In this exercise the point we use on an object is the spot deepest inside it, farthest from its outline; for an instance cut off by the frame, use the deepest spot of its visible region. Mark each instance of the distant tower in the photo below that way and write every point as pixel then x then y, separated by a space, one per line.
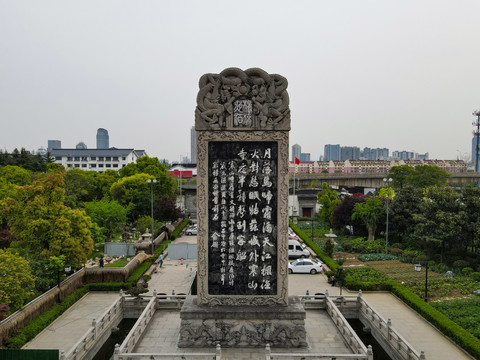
pixel 332 152
pixel 102 139
pixel 54 144
pixel 193 145
pixel 296 152
pixel 81 145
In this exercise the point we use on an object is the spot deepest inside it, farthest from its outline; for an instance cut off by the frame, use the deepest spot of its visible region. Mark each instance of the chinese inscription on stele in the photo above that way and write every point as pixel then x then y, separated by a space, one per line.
pixel 242 221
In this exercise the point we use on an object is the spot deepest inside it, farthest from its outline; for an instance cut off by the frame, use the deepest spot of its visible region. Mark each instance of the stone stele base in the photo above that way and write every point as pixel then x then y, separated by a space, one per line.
pixel 242 326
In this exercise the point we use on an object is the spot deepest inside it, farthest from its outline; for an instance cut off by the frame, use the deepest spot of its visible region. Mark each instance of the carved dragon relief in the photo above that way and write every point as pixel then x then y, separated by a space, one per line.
pixel 247 333
pixel 262 96
pixel 202 214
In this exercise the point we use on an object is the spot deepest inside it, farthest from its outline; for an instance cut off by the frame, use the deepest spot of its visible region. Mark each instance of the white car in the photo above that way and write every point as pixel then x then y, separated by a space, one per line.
pixel 305 266
pixel 192 230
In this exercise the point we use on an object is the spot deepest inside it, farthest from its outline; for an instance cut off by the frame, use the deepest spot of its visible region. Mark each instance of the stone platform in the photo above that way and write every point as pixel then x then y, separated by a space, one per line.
pixel 242 326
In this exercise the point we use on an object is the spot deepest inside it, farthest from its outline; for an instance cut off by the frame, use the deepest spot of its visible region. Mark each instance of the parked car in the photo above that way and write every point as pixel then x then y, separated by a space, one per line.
pixel 192 230
pixel 305 266
pixel 297 250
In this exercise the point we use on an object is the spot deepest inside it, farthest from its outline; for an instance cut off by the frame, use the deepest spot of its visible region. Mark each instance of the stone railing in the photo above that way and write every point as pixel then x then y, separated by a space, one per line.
pixel 138 329
pixel 100 329
pixel 383 329
pixel 351 338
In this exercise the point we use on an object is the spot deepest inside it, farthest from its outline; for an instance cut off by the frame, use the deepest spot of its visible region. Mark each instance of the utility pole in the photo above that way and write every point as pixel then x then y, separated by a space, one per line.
pixel 476 133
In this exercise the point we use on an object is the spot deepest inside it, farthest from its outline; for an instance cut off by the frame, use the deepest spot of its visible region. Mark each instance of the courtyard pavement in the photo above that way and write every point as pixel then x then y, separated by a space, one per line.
pixel 177 275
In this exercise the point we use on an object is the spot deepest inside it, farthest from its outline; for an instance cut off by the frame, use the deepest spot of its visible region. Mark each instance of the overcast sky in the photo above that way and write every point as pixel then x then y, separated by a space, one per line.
pixel 398 74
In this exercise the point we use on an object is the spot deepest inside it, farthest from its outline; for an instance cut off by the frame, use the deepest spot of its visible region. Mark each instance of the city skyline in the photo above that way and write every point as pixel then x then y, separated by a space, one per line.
pixel 397 75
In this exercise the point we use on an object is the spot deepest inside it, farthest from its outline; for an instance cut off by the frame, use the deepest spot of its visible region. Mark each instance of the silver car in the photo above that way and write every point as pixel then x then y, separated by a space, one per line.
pixel 305 266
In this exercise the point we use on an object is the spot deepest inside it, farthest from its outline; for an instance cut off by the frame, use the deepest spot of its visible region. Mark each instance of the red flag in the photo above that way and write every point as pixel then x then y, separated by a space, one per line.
pixel 297 161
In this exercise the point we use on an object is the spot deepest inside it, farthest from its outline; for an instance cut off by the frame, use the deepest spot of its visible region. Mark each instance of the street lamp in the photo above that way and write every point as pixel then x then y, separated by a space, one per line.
pixel 151 182
pixel 418 267
pixel 388 181
pixel 66 268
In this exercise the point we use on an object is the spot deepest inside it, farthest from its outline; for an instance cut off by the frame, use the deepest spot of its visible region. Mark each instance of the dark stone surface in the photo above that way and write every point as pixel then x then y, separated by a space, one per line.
pixel 242 241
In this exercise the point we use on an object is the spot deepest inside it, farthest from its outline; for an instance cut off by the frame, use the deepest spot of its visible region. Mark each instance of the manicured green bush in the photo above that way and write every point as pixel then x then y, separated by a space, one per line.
pixel 376 257
pixel 179 229
pixel 460 264
pixel 34 327
pixel 454 331
pixel 107 286
pixel 321 254
pixel 467 271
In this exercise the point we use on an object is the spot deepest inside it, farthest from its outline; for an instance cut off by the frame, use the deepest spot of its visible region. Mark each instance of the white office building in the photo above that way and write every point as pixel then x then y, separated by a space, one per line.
pixel 96 159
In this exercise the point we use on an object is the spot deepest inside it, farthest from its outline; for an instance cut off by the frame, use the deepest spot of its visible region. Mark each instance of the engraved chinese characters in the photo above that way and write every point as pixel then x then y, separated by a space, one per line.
pixel 242 113
pixel 242 220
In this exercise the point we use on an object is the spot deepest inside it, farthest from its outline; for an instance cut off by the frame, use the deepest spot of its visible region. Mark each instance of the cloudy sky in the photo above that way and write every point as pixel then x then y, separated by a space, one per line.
pixel 397 74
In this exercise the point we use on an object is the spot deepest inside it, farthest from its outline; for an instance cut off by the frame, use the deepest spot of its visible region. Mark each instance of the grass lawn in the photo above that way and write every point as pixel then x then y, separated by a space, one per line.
pixel 399 271
pixel 118 263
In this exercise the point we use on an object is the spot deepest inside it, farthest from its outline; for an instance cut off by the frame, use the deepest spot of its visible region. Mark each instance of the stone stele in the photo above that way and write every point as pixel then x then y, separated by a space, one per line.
pixel 242 121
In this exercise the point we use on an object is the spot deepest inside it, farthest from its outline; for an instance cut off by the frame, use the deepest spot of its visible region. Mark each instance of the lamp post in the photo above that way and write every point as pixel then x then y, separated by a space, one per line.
pixel 66 268
pixel 151 182
pixel 418 267
pixel 388 181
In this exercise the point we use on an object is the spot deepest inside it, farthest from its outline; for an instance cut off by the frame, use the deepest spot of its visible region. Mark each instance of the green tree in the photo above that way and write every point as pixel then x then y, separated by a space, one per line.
pixel 54 168
pixel 80 187
pixel 370 212
pixel 403 207
pixel 420 176
pixel 440 220
pixel 105 182
pixel 328 199
pixel 43 226
pixel 400 175
pixel 109 215
pixel 15 175
pixel 470 198
pixel 16 280
pixel 134 193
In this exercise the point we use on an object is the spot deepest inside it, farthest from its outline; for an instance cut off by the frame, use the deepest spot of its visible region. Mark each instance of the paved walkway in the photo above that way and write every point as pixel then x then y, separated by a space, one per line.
pixel 66 330
pixel 174 276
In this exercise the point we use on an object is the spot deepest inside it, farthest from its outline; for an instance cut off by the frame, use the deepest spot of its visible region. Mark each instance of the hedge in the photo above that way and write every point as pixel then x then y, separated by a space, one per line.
pixel 179 229
pixel 459 335
pixel 34 327
pixel 321 254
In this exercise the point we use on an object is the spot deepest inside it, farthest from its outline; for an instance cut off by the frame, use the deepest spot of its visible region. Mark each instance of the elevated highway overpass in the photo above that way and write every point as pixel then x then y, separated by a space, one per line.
pixel 313 181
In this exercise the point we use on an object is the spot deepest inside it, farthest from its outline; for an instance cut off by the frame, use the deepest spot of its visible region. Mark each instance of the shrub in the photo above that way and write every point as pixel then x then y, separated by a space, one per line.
pixel 475 276
pixel 376 257
pixel 378 248
pixel 398 246
pixel 321 254
pixel 329 247
pixel 467 271
pixel 396 251
pixel 421 258
pixel 34 327
pixel 460 264
pixel 179 229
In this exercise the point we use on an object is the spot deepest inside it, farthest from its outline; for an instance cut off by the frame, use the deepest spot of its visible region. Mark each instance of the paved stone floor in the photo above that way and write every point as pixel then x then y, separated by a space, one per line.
pixel 66 330
pixel 161 336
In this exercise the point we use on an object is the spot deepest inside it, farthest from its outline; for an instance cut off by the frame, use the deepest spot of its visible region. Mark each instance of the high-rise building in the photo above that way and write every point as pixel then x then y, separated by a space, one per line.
pixel 349 153
pixel 304 157
pixel 403 155
pixel 193 145
pixel 54 144
pixel 332 152
pixel 81 145
pixel 374 154
pixel 102 139
pixel 296 152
